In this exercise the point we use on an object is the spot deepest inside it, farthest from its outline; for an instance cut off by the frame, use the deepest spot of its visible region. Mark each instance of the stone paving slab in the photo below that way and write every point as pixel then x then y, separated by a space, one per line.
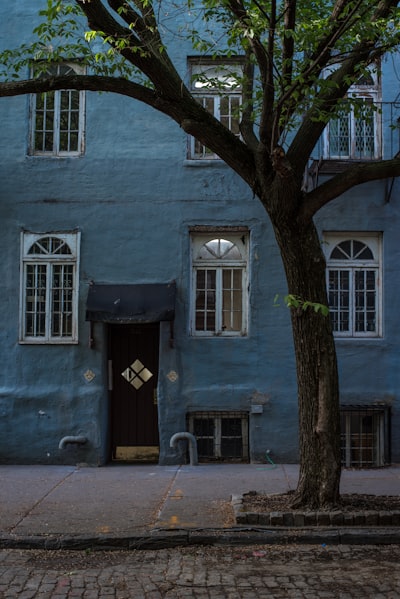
pixel 63 500
pixel 136 505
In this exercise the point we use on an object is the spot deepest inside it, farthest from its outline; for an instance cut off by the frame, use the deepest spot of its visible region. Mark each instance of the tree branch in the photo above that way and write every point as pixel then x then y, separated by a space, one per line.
pixel 238 10
pixel 145 26
pixel 342 182
pixel 318 60
pixel 187 113
pixel 247 124
pixel 288 42
pixel 325 103
pixel 95 83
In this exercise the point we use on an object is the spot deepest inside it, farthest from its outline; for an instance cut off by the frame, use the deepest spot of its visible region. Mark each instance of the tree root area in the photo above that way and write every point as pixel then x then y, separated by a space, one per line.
pixel 354 502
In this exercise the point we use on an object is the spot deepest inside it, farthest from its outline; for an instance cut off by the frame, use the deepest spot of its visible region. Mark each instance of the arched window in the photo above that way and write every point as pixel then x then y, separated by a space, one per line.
pixel 219 284
pixel 49 291
pixel 353 279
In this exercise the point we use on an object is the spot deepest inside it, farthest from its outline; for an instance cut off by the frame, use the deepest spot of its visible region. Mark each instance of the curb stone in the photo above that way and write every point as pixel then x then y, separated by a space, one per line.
pixel 164 539
pixel 299 519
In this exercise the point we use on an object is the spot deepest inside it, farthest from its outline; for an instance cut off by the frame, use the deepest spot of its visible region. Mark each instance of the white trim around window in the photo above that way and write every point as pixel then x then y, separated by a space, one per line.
pixel 354 283
pixel 49 288
pixel 218 88
pixel 356 132
pixel 57 118
pixel 219 294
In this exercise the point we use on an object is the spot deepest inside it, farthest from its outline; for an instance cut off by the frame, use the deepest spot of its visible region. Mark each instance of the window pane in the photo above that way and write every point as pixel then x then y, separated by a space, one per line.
pixel 69 122
pixel 44 122
pixel 231 300
pixel 203 430
pixel 229 113
pixel 74 99
pixel 35 300
pixel 64 145
pixel 365 147
pixel 205 300
pixel 364 128
pixel 339 138
pixel 339 298
pixel 231 437
pixel 39 121
pixel 343 251
pixel 217 249
pixel 365 300
pixel 73 141
pixel 200 151
pixel 61 300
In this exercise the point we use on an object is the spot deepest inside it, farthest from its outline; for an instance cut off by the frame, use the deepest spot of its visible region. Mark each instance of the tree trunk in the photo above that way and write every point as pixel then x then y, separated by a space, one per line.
pixel 318 389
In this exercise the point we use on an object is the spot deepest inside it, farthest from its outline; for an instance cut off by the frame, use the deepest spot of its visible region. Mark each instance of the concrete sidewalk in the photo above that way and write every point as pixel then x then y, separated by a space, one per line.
pixel 46 505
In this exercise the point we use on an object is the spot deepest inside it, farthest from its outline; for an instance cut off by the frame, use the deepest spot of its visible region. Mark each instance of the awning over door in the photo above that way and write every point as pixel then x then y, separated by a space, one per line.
pixel 131 303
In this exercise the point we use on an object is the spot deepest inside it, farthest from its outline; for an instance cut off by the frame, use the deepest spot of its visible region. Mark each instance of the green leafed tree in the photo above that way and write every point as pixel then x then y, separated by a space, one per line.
pixel 298 59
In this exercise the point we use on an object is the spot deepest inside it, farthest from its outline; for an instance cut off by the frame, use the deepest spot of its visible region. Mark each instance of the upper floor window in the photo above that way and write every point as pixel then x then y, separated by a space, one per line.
pixel 355 133
pixel 354 284
pixel 49 288
pixel 217 88
pixel 219 284
pixel 57 117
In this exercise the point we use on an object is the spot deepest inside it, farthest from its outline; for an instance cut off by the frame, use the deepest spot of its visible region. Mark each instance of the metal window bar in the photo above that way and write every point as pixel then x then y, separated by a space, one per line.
pixel 365 436
pixel 386 119
pixel 220 436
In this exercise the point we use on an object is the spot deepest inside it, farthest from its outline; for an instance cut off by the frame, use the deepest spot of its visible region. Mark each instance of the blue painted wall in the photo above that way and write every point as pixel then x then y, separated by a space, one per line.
pixel 134 197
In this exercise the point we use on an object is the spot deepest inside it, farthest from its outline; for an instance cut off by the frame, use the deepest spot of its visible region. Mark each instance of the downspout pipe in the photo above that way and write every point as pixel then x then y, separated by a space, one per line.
pixel 70 439
pixel 192 445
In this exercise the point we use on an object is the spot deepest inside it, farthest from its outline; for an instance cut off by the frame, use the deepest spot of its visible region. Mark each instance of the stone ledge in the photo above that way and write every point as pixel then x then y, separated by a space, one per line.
pixel 298 518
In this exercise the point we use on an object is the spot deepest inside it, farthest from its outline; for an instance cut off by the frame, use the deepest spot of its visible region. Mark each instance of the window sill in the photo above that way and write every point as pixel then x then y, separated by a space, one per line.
pixel 359 339
pixel 225 336
pixel 55 156
pixel 212 162
pixel 47 342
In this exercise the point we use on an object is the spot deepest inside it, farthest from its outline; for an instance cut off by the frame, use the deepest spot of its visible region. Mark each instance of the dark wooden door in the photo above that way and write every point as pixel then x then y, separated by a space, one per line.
pixel 133 355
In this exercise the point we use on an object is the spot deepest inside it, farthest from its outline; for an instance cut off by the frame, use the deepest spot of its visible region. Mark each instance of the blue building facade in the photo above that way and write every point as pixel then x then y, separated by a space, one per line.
pixel 139 284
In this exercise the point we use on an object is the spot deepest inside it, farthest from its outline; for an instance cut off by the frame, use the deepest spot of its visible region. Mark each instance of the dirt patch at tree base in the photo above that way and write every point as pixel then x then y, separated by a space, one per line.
pixel 258 502
pixel 352 510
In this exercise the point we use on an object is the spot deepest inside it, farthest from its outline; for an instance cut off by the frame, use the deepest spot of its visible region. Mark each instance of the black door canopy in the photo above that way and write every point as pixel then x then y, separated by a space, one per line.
pixel 149 302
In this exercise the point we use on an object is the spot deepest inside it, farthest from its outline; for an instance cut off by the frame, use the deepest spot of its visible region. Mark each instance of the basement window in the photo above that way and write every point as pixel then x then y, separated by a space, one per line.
pixel 365 436
pixel 221 436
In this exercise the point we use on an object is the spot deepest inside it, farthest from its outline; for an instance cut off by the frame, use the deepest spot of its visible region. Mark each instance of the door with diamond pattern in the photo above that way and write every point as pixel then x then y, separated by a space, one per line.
pixel 133 362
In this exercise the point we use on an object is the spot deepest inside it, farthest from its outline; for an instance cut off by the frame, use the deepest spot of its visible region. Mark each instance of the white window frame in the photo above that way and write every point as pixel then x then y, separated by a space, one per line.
pixel 349 268
pixel 370 94
pixel 219 266
pixel 211 84
pixel 47 263
pixel 52 128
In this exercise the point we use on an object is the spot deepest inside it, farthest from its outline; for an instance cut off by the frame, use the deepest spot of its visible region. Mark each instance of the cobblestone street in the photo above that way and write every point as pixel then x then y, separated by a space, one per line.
pixel 223 572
